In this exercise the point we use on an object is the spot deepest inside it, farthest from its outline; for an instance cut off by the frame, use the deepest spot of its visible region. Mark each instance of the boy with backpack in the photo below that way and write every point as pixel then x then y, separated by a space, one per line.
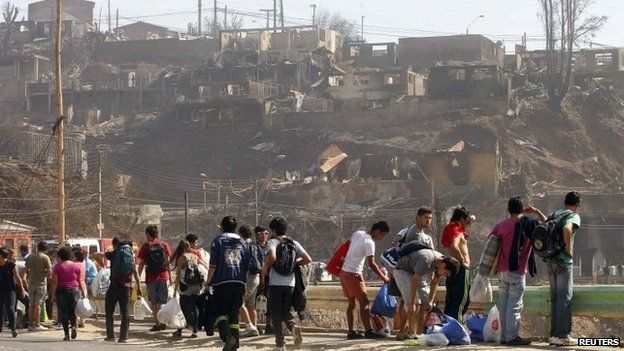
pixel 123 269
pixel 154 257
pixel 229 262
pixel 560 272
pixel 284 254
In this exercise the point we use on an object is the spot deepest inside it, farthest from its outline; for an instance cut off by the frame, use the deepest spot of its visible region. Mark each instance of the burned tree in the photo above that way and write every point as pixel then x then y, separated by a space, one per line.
pixel 9 13
pixel 566 24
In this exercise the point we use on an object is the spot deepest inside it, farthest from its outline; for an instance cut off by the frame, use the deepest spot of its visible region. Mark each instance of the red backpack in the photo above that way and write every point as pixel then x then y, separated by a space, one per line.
pixel 334 266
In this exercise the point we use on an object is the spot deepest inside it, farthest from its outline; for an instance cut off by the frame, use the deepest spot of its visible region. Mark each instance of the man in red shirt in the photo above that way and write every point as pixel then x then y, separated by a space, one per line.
pixel 154 256
pixel 454 238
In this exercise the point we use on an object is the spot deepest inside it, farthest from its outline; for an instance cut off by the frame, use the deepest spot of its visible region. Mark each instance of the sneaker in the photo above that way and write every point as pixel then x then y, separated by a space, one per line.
pixel 163 326
pixel 41 328
pixel 123 341
pixel 66 338
pixel 230 344
pixel 249 331
pixel 370 335
pixel 518 341
pixel 568 341
pixel 155 328
pixel 193 336
pixel 177 334
pixel 14 333
pixel 74 333
pixel 31 329
pixel 353 335
pixel 552 341
pixel 112 338
pixel 297 336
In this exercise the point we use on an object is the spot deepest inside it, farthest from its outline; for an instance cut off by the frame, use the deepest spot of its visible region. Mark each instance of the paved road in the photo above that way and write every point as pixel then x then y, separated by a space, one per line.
pixel 91 339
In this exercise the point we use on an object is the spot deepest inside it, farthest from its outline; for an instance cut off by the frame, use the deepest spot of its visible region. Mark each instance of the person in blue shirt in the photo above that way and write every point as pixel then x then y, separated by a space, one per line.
pixel 229 262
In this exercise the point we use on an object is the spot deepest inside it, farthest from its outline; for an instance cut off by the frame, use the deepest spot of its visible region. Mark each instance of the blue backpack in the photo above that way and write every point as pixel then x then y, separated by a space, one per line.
pixel 123 262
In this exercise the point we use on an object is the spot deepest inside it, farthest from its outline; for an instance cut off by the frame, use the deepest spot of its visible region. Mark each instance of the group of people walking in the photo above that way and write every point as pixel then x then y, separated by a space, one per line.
pixel 244 263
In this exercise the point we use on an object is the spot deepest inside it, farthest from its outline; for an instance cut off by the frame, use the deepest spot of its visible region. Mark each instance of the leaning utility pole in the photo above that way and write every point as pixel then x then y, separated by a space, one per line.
pixel 60 152
pixel 199 18
pixel 313 6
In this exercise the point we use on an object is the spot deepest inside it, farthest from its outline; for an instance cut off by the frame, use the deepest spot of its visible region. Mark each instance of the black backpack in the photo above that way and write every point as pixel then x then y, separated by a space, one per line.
pixel 548 236
pixel 286 257
pixel 257 259
pixel 156 260
pixel 192 274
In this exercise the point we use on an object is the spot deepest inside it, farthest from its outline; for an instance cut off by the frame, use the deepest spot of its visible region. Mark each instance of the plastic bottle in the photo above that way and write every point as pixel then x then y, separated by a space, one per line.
pixel 261 304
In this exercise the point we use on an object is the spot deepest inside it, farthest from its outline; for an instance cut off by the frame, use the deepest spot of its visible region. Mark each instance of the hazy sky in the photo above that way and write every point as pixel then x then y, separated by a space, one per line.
pixel 385 20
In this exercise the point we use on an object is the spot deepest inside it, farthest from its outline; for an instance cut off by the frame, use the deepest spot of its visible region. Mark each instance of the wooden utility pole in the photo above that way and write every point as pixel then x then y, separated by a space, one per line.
pixel 362 29
pixel 100 226
pixel 199 18
pixel 268 16
pixel 186 213
pixel 110 25
pixel 282 14
pixel 256 195
pixel 60 151
pixel 225 17
pixel 313 6
pixel 274 16
pixel 214 20
pixel 117 19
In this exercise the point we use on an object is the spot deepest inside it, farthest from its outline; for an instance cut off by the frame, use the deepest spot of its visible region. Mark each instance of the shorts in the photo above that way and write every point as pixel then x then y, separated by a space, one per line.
pixel 404 282
pixel 352 284
pixel 157 291
pixel 251 288
pixel 37 293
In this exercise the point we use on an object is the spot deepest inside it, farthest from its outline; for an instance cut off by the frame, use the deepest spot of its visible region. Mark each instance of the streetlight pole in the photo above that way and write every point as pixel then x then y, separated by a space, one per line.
pixel 473 21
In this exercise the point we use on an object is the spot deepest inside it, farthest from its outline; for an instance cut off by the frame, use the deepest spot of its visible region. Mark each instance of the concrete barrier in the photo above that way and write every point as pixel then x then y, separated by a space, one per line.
pixel 599 301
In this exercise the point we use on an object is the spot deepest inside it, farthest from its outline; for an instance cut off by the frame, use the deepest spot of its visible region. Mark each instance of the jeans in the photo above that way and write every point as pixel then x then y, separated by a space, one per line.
pixel 66 301
pixel 511 289
pixel 189 308
pixel 117 295
pixel 280 302
pixel 230 300
pixel 561 283
pixel 457 299
pixel 8 301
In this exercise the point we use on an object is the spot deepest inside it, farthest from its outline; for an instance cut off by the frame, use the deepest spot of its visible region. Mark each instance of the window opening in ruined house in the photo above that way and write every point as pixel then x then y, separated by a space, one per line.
pixel 360 80
pixel 336 81
pixel 457 74
pixel 392 79
pixel 380 50
pixel 354 51
pixel 604 59
pixel 482 74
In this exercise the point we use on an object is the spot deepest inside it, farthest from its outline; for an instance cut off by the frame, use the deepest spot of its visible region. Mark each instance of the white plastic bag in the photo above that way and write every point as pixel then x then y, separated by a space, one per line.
pixel 141 309
pixel 100 284
pixel 170 292
pixel 171 314
pixel 437 339
pixel 491 330
pixel 84 308
pixel 481 289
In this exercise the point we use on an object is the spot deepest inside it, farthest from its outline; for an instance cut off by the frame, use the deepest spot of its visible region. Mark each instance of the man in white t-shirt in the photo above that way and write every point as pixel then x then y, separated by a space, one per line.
pixel 362 248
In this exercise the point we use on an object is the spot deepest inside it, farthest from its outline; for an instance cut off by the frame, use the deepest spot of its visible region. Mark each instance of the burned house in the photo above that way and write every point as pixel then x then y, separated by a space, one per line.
pixel 374 86
pixel 370 54
pixel 477 81
pixel 144 31
pixel 606 65
pixel 16 73
pixel 77 17
pixel 425 52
